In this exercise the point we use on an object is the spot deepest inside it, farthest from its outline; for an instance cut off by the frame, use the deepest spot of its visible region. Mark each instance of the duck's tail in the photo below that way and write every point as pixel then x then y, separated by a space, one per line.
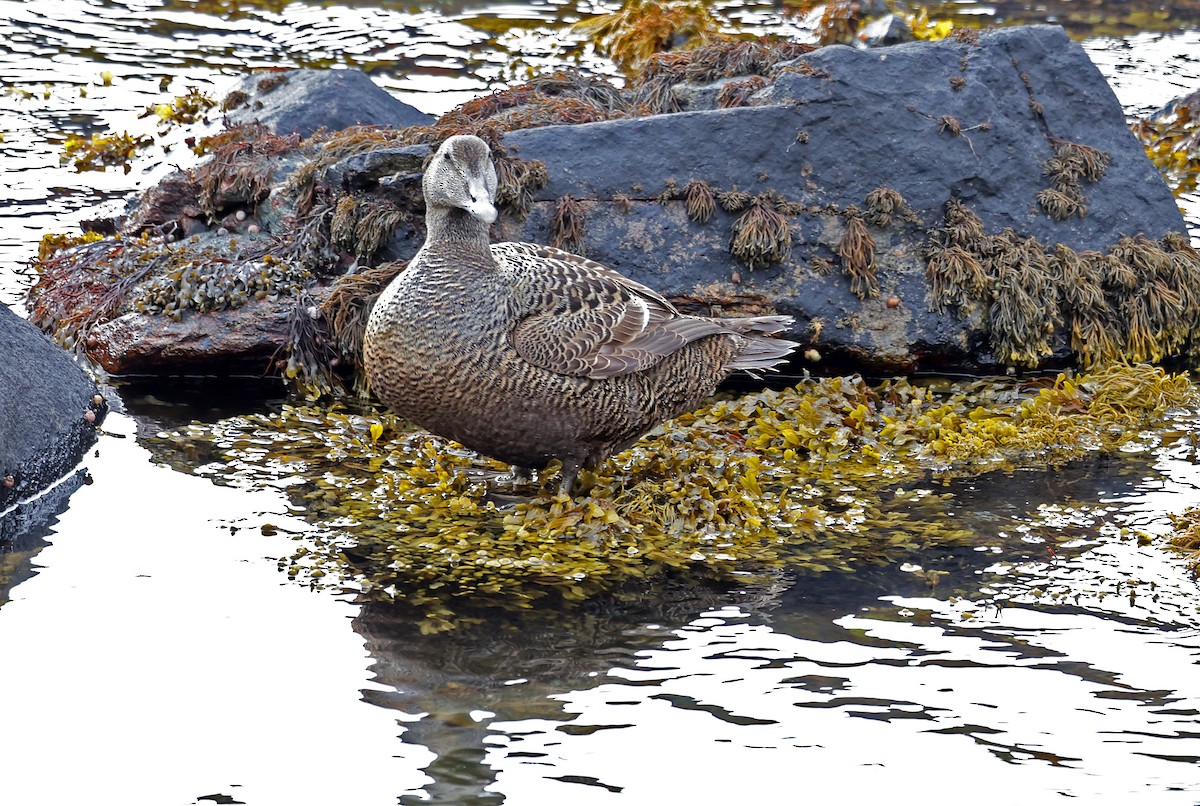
pixel 760 351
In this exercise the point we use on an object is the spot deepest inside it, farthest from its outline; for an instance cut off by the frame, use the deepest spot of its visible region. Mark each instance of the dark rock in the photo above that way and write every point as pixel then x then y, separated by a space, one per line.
pixel 847 122
pixel 244 340
pixel 45 403
pixel 366 170
pixel 305 100
pixel 972 122
pixel 887 30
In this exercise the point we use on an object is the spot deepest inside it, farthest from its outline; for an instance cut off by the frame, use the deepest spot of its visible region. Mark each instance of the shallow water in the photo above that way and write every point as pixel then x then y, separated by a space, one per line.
pixel 154 653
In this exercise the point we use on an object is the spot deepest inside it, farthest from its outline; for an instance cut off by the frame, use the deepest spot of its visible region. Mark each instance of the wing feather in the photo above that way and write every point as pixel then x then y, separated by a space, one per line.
pixel 577 317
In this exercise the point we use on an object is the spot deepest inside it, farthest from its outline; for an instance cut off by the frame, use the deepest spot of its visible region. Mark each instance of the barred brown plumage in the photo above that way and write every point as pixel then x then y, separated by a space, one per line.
pixel 528 353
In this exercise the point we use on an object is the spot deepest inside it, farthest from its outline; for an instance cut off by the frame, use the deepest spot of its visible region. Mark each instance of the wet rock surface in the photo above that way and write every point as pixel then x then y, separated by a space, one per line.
pixel 845 123
pixel 48 417
pixel 965 205
pixel 306 100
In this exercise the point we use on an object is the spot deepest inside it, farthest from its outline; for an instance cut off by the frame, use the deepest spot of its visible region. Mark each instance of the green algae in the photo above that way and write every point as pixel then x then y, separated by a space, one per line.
pixel 830 475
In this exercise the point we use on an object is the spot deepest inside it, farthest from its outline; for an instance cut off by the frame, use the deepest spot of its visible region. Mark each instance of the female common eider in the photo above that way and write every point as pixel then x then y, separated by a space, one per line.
pixel 527 353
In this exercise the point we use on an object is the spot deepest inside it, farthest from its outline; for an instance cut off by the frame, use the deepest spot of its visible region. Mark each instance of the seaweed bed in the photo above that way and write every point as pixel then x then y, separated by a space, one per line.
pixel 829 475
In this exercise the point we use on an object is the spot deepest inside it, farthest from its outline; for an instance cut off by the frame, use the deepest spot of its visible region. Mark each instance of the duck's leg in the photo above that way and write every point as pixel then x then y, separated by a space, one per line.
pixel 570 469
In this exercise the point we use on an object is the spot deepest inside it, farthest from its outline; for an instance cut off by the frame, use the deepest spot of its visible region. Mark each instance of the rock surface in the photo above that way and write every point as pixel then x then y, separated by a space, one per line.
pixel 45 400
pixel 830 185
pixel 303 101
pixel 851 121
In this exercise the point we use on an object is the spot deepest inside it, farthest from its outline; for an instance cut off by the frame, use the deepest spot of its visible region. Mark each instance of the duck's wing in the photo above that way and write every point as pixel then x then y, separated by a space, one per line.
pixel 577 317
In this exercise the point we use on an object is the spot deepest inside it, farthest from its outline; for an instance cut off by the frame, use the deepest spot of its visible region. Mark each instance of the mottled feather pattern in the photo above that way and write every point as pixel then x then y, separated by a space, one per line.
pixel 528 353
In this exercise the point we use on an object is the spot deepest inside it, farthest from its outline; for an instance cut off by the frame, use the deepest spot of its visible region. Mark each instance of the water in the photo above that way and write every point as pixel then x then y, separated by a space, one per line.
pixel 152 653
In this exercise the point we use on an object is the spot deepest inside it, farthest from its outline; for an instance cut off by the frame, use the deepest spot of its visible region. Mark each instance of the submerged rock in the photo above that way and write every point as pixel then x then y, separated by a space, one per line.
pixel 48 417
pixel 971 204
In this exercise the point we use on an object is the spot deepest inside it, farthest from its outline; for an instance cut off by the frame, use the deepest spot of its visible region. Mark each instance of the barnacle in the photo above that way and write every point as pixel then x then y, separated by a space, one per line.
pixel 760 235
pixel 857 252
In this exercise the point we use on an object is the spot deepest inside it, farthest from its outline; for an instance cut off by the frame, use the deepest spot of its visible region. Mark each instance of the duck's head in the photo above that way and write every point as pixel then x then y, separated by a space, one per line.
pixel 461 175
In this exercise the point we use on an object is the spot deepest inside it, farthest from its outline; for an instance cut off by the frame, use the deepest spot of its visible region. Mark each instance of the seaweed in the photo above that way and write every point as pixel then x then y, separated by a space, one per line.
pixel 956 278
pixel 99 152
pixel 760 235
pixel 568 225
pixel 641 28
pixel 832 474
pixel 883 203
pixel 737 93
pixel 1071 163
pixel 701 202
pixel 517 180
pixel 856 249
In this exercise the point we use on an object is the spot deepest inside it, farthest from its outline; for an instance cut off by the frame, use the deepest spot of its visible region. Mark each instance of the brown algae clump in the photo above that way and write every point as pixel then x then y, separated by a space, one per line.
pixel 99 151
pixel 1071 163
pixel 760 235
pixel 1186 536
pixel 830 474
pixel 857 252
pixel 568 225
pixel 1138 301
pixel 701 201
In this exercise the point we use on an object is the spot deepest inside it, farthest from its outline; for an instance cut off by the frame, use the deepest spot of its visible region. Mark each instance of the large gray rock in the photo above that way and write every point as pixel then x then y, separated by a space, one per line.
pixel 974 123
pixel 302 101
pixel 844 124
pixel 48 414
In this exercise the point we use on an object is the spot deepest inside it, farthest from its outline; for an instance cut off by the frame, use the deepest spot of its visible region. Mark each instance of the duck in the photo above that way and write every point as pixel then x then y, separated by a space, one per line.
pixel 527 353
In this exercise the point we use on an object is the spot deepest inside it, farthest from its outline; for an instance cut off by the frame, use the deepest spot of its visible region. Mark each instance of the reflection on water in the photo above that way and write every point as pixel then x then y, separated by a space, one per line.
pixel 153 653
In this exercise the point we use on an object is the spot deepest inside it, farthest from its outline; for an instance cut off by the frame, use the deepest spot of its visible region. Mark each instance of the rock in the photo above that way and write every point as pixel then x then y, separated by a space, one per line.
pixel 886 30
pixel 843 123
pixel 305 100
pixel 973 204
pixel 48 417
pixel 245 340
